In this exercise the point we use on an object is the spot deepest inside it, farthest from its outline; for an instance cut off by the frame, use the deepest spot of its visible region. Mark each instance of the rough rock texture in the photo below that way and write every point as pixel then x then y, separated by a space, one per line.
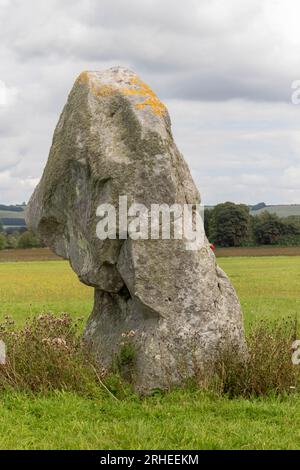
pixel 114 138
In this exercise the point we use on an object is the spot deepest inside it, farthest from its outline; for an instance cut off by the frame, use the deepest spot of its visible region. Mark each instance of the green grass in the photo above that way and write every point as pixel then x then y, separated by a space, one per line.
pixel 268 288
pixel 29 288
pixel 180 420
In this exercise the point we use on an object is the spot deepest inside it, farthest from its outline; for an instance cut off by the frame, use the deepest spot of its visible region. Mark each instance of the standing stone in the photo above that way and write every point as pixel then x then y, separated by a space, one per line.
pixel 161 312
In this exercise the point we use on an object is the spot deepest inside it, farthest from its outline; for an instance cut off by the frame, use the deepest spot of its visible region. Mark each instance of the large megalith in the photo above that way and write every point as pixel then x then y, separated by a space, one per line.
pixel 161 311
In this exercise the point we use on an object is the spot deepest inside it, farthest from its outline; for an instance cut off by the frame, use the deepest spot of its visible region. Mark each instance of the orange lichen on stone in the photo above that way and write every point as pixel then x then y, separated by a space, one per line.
pixel 83 78
pixel 103 90
pixel 137 87
pixel 146 92
pixel 86 78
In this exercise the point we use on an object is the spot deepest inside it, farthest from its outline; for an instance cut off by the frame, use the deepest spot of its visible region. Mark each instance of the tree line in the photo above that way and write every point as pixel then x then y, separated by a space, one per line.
pixel 227 224
pixel 230 224
pixel 19 239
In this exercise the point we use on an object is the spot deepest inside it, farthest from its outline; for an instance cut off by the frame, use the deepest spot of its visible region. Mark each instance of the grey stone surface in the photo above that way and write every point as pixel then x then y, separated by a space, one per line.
pixel 114 138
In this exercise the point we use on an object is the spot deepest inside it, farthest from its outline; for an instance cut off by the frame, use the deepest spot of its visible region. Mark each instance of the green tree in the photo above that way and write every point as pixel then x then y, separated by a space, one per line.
pixel 207 220
pixel 229 224
pixel 269 229
pixel 2 241
pixel 12 240
pixel 28 240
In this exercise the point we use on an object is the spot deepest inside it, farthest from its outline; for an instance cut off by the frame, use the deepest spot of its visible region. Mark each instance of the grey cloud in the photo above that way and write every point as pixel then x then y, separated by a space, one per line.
pixel 224 68
pixel 201 50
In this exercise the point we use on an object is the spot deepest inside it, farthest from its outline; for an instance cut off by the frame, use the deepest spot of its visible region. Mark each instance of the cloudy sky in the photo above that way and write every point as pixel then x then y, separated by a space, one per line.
pixel 223 68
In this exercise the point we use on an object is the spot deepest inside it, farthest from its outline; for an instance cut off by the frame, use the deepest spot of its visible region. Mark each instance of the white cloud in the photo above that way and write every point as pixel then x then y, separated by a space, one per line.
pixel 237 149
pixel 290 178
pixel 7 95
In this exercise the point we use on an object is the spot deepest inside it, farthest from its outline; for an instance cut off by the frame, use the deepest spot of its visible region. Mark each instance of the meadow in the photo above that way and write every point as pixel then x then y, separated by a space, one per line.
pixel 268 288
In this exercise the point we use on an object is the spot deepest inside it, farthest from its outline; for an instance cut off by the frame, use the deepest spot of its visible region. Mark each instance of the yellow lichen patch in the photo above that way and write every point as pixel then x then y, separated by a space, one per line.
pixel 146 92
pixel 137 87
pixel 87 78
pixel 83 78
pixel 103 90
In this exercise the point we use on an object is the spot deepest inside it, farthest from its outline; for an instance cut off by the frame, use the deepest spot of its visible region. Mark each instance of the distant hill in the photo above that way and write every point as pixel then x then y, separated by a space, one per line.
pixel 260 205
pixel 12 217
pixel 16 208
pixel 282 210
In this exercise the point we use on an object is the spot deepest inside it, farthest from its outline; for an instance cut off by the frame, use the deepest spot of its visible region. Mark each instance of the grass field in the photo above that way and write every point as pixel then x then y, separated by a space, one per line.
pixel 268 288
pixel 254 251
pixel 12 214
pixel 180 420
pixel 26 254
pixel 28 288
pixel 45 254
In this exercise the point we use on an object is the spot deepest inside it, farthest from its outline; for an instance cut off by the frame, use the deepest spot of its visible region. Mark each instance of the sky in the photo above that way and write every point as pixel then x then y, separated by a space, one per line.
pixel 224 69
